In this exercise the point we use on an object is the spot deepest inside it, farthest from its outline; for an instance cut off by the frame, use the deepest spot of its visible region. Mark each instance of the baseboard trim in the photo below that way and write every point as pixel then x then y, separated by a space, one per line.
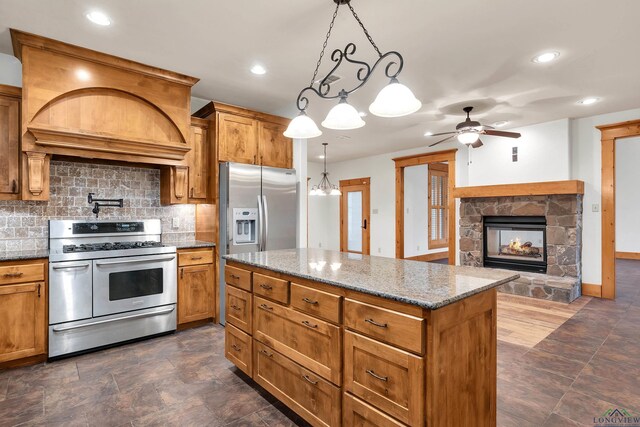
pixel 628 255
pixel 591 290
pixel 429 257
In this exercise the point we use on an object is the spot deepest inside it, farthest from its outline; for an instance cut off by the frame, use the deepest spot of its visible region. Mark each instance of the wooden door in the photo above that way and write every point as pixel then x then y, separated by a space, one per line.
pixel 195 293
pixel 198 164
pixel 237 139
pixel 9 145
pixel 22 320
pixel 275 149
pixel 354 216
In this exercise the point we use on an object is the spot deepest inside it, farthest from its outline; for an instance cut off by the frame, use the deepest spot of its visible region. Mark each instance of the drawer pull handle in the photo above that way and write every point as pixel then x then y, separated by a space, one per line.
pixel 235 307
pixel 266 307
pixel 233 276
pixel 235 347
pixel 266 287
pixel 13 274
pixel 195 258
pixel 308 301
pixel 308 324
pixel 266 353
pixel 309 380
pixel 374 323
pixel 376 376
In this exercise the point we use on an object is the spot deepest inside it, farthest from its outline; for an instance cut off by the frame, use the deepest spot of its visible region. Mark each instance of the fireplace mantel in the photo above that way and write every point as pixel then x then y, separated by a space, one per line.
pixel 526 189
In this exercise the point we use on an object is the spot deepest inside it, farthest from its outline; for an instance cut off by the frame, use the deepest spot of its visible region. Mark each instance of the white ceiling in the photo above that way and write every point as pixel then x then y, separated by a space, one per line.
pixel 457 53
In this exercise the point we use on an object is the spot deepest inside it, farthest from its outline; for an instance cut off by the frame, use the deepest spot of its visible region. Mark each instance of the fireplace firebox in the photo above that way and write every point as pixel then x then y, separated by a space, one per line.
pixel 515 243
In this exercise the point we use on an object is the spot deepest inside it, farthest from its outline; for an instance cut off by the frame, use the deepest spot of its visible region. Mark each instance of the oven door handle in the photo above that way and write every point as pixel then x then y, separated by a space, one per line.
pixel 69 267
pixel 101 322
pixel 134 261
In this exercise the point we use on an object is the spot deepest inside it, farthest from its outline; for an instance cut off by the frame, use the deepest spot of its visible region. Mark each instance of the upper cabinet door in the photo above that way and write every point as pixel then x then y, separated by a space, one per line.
pixel 275 149
pixel 198 164
pixel 237 139
pixel 9 145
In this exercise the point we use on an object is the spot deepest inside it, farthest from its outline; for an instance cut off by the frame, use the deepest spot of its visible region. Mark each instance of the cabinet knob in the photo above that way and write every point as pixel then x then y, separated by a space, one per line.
pixel 182 273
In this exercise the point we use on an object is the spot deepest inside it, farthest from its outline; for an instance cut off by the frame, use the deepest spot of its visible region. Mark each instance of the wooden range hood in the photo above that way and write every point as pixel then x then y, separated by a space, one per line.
pixel 82 103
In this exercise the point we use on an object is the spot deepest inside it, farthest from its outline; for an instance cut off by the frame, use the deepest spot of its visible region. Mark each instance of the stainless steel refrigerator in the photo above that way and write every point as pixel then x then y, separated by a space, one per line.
pixel 258 212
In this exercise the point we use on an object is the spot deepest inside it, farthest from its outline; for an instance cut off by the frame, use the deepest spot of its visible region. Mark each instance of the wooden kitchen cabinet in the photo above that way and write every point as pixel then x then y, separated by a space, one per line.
pixel 23 310
pixel 275 149
pixel 237 139
pixel 198 162
pixel 9 142
pixel 196 286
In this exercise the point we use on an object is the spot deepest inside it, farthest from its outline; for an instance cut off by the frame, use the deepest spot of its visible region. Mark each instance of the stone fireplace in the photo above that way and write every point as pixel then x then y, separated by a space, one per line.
pixel 559 215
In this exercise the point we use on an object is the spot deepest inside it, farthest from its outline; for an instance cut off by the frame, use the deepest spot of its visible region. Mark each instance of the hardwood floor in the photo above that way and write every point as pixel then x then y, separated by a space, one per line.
pixel 558 365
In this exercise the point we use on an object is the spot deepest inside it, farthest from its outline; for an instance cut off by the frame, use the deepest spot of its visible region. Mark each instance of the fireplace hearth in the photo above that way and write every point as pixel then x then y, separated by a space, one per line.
pixel 515 243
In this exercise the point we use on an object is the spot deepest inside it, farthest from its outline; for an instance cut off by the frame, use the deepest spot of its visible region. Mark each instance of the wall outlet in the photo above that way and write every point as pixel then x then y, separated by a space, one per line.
pixel 379 250
pixel 319 244
pixel 595 207
pixel 175 222
pixel 374 212
pixel 418 247
pixel 514 154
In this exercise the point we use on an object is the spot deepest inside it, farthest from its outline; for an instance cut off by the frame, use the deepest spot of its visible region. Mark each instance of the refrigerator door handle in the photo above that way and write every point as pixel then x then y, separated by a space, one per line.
pixel 265 207
pixel 260 225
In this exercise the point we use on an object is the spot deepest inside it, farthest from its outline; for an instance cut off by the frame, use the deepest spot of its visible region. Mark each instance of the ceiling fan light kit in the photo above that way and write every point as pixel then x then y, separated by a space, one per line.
pixel 394 100
pixel 325 187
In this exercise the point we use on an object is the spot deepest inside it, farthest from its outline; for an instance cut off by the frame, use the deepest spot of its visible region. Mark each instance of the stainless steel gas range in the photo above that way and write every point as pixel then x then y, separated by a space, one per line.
pixel 109 282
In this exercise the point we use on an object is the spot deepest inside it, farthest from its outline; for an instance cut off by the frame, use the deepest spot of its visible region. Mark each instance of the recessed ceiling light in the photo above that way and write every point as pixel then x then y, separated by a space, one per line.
pixel 362 114
pixel 589 101
pixel 545 57
pixel 258 69
pixel 321 156
pixel 98 18
pixel 429 133
pixel 500 123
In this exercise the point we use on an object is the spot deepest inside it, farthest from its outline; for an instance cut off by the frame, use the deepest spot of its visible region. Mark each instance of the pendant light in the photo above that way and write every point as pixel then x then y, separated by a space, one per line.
pixel 468 137
pixel 324 187
pixel 394 100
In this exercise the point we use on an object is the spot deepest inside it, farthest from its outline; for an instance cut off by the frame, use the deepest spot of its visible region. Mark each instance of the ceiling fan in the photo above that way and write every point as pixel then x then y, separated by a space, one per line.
pixel 469 131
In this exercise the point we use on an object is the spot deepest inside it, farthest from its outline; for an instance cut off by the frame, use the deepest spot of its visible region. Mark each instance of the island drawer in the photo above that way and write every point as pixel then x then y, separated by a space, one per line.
pixel 22 273
pixel 318 303
pixel 313 343
pixel 390 326
pixel 388 378
pixel 272 288
pixel 238 348
pixel 357 413
pixel 310 396
pixel 238 308
pixel 237 277
pixel 195 257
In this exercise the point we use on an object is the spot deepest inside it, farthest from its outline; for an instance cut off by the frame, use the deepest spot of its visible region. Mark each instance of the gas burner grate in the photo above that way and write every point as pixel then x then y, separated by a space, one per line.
pixel 94 247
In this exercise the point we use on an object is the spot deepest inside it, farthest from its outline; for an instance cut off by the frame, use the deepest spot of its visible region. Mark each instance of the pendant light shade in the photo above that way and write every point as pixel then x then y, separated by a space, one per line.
pixel 395 100
pixel 343 116
pixel 302 127
pixel 468 137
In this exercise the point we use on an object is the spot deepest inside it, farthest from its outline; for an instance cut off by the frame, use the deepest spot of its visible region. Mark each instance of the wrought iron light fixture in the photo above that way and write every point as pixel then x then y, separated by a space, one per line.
pixel 394 100
pixel 324 187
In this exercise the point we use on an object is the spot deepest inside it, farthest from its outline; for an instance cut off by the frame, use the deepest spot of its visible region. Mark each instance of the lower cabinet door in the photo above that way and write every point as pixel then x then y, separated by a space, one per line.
pixel 356 413
pixel 238 348
pixel 22 320
pixel 313 398
pixel 238 308
pixel 196 300
pixel 388 378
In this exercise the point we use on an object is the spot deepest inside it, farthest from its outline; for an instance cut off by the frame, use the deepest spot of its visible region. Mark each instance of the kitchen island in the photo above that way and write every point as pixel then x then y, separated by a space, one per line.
pixel 347 339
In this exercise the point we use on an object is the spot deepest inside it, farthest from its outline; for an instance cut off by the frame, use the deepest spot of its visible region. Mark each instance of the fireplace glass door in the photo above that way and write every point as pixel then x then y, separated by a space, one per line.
pixel 517 243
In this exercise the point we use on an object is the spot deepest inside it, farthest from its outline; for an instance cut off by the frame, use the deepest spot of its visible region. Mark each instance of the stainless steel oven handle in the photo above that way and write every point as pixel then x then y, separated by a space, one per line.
pixel 134 261
pixel 68 267
pixel 100 322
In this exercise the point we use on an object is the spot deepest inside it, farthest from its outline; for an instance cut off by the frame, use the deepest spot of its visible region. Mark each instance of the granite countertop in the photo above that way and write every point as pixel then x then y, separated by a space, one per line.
pixel 190 243
pixel 24 254
pixel 427 285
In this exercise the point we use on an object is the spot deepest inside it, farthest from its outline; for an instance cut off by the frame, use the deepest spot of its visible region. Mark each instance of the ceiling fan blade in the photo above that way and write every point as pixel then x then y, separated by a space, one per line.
pixel 443 133
pixel 442 140
pixel 477 144
pixel 502 133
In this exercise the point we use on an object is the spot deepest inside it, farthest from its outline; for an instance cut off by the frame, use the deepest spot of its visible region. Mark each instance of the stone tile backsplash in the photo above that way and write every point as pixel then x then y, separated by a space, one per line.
pixel 24 224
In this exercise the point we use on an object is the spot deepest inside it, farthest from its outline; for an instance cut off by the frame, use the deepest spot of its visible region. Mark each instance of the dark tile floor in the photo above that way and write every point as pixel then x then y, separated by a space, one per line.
pixel 588 365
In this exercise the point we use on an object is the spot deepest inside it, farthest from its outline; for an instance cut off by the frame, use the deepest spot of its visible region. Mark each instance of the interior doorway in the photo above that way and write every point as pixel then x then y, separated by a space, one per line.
pixel 354 216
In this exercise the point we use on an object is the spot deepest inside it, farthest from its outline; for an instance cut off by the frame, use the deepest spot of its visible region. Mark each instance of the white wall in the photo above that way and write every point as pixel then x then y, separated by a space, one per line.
pixel 324 212
pixel 10 70
pixel 586 165
pixel 543 155
pixel 627 195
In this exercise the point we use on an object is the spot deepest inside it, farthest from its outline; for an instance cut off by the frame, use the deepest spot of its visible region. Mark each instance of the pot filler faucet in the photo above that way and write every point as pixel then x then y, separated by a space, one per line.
pixel 98 203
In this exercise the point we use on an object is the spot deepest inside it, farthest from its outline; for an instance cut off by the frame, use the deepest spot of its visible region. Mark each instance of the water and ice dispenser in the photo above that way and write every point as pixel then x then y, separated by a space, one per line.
pixel 245 226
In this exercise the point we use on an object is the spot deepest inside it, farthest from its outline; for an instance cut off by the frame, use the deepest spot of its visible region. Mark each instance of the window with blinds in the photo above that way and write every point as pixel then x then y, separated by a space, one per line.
pixel 438 201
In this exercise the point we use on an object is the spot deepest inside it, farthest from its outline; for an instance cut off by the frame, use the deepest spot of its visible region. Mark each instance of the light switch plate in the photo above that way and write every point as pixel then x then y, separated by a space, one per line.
pixel 595 207
pixel 175 222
